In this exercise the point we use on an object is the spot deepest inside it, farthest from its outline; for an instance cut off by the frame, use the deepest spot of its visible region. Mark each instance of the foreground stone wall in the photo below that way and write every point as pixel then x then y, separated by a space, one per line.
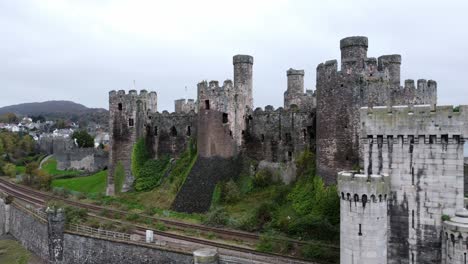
pixel 421 148
pixel 87 250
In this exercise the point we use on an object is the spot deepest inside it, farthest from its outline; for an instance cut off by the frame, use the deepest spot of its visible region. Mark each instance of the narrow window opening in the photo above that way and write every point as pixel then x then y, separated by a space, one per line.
pixel 432 139
pixel 155 130
pixel 342 195
pixel 207 104
pixel 225 118
pixel 288 137
pixel 412 218
pixel 412 257
pixel 412 175
pixel 444 139
pixel 304 133
pixel 173 131
pixel 289 155
pixel 189 131
pixel 364 200
pixel 464 258
pixel 360 230
pixel 230 133
pixel 131 122
pixel 120 106
pixel 263 138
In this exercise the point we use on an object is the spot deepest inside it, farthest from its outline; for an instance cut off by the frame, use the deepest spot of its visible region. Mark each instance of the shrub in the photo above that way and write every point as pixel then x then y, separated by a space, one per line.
pixel 217 195
pixel 217 217
pixel 262 178
pixel 132 217
pixel 445 217
pixel 320 252
pixel 9 169
pixel 75 215
pixel 268 243
pixel 231 192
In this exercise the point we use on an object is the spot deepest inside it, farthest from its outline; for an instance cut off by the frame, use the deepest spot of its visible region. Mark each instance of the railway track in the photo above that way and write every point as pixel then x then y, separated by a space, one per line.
pixel 40 199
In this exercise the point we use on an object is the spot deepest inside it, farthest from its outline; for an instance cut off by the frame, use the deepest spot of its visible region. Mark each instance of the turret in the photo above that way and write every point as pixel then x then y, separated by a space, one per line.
pixel 353 52
pixel 243 77
pixel 363 217
pixel 295 81
pixel 391 64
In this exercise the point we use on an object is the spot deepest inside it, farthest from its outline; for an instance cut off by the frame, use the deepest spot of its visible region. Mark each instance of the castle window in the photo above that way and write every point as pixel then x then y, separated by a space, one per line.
pixel 289 155
pixel 263 138
pixel 432 139
pixel 304 134
pixel 207 104
pixel 288 137
pixel 173 131
pixel 130 122
pixel 189 131
pixel 360 230
pixel 364 200
pixel 412 218
pixel 230 133
pixel 342 195
pixel 356 198
pixel 155 130
pixel 412 175
pixel 120 106
pixel 225 118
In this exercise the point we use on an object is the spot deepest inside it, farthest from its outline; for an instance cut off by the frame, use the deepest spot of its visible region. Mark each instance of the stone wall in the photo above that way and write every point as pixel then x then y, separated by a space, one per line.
pixel 28 230
pixel 84 250
pixel 87 159
pixel 50 145
pixel 362 81
pixel 170 133
pixel 421 148
pixel 279 135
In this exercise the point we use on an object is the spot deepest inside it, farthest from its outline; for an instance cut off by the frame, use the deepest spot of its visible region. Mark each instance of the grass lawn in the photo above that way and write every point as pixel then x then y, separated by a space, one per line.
pixel 50 167
pixel 20 169
pixel 12 252
pixel 95 183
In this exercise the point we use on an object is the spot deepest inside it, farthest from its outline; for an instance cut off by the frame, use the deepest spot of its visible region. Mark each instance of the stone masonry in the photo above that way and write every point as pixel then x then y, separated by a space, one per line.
pixel 421 149
pixel 361 81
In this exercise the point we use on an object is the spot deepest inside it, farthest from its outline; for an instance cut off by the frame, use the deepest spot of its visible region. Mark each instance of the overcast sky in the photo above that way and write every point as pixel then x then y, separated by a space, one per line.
pixel 79 50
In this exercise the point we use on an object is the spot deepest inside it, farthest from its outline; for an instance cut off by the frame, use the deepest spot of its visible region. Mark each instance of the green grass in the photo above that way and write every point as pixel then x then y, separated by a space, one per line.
pixel 95 183
pixel 20 169
pixel 50 167
pixel 12 252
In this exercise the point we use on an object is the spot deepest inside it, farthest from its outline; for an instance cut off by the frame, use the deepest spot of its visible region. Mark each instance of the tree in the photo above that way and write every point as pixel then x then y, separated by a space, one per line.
pixel 9 118
pixel 61 124
pixel 27 144
pixel 83 139
pixel 2 149
pixel 9 170
pixel 30 172
pixel 39 118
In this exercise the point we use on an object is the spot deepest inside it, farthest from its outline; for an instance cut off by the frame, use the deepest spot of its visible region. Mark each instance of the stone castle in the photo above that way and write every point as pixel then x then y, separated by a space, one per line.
pixel 410 151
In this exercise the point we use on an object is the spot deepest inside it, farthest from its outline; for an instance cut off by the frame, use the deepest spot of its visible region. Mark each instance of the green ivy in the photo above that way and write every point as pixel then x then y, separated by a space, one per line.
pixel 151 174
pixel 140 155
pixel 119 177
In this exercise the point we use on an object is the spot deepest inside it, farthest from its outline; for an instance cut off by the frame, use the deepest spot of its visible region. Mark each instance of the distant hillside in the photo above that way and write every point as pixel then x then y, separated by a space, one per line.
pixel 66 110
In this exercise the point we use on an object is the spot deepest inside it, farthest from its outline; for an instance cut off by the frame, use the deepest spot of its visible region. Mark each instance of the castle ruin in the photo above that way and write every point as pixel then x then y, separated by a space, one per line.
pixel 410 151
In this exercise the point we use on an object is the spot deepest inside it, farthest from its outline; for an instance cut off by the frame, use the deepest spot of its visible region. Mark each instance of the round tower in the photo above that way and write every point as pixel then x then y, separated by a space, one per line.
pixel 353 52
pixel 363 218
pixel 392 64
pixel 455 238
pixel 295 90
pixel 243 77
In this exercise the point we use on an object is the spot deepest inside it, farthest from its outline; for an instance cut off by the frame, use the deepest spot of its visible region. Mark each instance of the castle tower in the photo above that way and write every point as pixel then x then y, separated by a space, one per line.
pixel 361 81
pixel 127 121
pixel 243 98
pixel 363 218
pixel 455 239
pixel 295 90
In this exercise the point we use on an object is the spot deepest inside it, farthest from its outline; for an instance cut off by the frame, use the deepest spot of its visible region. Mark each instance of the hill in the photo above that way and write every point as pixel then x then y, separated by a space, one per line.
pixel 66 110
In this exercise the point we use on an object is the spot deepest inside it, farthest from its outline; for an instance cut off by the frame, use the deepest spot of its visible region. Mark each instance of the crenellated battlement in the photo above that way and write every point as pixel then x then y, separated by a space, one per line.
pixel 113 93
pixel 363 188
pixel 417 121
